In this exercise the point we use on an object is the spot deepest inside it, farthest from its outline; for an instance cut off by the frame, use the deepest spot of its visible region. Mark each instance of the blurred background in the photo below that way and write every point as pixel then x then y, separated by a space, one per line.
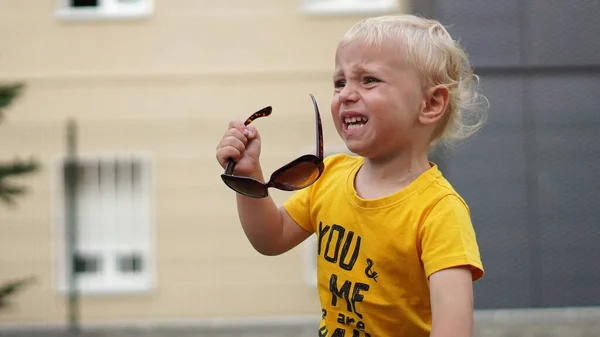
pixel 112 110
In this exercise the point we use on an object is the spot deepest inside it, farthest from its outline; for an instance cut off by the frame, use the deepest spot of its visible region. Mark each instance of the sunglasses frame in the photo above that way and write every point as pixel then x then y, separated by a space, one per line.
pixel 317 159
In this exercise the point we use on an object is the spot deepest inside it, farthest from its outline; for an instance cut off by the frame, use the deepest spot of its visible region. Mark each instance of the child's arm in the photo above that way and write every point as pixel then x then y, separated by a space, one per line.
pixel 452 302
pixel 452 263
pixel 270 230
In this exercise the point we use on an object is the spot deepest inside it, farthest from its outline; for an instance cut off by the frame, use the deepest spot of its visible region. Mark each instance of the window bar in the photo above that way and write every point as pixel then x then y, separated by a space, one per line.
pixel 71 168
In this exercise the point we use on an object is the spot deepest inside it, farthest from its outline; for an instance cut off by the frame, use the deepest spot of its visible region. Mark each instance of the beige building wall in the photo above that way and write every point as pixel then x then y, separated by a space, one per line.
pixel 166 85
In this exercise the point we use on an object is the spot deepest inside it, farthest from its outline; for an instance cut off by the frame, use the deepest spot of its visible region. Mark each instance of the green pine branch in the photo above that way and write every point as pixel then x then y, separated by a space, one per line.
pixel 8 191
pixel 18 167
pixel 10 288
pixel 8 92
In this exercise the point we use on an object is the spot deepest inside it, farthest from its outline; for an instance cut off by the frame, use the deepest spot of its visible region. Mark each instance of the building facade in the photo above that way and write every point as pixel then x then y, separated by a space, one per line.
pixel 150 87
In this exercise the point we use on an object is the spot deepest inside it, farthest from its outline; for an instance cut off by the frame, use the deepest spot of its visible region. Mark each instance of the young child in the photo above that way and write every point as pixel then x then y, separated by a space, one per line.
pixel 397 253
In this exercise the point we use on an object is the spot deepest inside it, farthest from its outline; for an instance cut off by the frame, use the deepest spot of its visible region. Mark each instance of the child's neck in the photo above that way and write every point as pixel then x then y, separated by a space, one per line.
pixel 379 177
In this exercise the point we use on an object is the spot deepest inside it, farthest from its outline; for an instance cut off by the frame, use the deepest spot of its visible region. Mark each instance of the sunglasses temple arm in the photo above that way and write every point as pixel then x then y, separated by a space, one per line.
pixel 230 166
pixel 319 128
pixel 319 139
pixel 266 111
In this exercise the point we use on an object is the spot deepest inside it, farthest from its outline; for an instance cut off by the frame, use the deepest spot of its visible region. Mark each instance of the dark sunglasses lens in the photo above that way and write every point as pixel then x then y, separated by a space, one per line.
pixel 247 187
pixel 299 175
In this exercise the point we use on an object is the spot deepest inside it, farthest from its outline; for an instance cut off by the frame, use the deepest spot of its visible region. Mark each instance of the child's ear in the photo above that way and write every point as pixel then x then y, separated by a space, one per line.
pixel 436 102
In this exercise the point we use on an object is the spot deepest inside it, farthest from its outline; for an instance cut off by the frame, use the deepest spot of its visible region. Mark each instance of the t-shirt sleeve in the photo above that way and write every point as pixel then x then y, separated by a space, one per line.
pixel 447 238
pixel 298 207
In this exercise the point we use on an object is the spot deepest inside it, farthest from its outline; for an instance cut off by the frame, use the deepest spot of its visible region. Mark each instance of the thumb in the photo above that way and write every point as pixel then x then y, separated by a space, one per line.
pixel 253 145
pixel 252 133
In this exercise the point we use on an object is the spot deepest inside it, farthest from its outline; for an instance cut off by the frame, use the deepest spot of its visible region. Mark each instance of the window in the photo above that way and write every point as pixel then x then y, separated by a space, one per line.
pixel 350 6
pixel 114 224
pixel 104 9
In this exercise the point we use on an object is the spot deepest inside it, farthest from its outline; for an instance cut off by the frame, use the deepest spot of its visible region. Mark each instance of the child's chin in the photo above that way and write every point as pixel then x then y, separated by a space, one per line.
pixel 356 147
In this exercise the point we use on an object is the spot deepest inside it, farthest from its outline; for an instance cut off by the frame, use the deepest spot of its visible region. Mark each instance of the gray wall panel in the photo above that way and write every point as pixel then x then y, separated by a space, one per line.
pixel 567 115
pixel 531 176
pixel 488 29
pixel 563 32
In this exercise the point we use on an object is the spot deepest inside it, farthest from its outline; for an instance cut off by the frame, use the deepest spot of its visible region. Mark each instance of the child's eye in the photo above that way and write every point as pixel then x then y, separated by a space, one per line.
pixel 370 80
pixel 339 83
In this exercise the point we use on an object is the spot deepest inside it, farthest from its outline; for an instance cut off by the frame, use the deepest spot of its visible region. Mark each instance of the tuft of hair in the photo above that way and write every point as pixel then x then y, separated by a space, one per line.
pixel 427 46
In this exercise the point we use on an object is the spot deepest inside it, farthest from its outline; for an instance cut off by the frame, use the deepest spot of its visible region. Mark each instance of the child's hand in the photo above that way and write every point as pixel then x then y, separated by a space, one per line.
pixel 241 144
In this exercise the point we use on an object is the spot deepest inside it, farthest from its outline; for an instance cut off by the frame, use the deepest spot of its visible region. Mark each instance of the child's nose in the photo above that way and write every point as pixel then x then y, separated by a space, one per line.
pixel 348 94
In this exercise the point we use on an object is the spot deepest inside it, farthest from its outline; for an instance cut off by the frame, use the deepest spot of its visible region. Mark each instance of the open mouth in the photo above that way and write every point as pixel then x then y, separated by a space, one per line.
pixel 354 122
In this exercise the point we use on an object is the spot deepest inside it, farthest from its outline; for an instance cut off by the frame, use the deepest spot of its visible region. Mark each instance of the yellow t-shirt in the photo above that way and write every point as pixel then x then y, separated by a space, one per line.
pixel 374 257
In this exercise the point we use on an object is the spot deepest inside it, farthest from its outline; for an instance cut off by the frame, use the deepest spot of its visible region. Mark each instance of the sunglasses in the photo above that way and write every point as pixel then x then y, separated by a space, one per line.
pixel 295 175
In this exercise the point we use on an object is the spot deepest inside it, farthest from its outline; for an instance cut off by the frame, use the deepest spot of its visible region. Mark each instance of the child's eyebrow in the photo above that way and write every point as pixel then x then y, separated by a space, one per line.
pixel 357 70
pixel 361 69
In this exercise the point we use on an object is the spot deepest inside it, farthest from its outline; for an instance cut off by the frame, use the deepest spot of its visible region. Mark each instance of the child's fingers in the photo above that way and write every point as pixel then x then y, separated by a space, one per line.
pixel 224 154
pixel 239 125
pixel 252 132
pixel 235 142
pixel 236 133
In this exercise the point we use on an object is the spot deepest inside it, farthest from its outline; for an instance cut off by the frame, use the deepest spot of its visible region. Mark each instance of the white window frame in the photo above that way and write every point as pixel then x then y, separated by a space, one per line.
pixel 108 283
pixel 349 7
pixel 106 10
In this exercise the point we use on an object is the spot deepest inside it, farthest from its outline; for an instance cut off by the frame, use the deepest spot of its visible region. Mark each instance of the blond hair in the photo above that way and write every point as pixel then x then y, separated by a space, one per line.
pixel 440 60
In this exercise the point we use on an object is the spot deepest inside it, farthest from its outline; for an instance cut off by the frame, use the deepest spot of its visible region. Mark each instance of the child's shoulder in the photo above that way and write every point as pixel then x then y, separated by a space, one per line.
pixel 339 165
pixel 340 160
pixel 443 189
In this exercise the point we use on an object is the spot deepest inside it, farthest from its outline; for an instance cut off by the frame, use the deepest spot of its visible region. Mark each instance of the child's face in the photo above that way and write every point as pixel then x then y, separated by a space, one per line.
pixel 374 84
